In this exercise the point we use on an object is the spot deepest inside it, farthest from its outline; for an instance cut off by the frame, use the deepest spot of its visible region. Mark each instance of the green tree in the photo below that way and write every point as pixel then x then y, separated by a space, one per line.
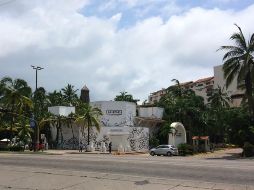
pixel 219 98
pixel 182 105
pixel 88 117
pixel 24 132
pixel 239 62
pixel 69 95
pixel 15 99
pixel 58 121
pixel 124 96
pixel 18 85
pixel 55 98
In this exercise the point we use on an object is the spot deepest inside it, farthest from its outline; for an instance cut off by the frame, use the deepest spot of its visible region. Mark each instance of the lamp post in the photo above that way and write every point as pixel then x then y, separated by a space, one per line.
pixel 37 133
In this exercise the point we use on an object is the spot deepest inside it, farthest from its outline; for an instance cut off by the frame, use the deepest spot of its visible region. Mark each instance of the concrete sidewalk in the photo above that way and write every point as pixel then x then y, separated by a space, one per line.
pixel 61 152
pixel 17 178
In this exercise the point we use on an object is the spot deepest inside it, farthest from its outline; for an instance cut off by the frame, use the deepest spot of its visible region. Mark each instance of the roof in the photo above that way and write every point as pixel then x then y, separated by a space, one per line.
pixel 153 93
pixel 150 119
pixel 85 88
pixel 186 83
pixel 207 79
pixel 200 137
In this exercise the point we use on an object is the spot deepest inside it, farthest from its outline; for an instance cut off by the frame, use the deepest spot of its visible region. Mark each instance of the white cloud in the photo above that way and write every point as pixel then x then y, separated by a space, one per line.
pixel 117 17
pixel 88 50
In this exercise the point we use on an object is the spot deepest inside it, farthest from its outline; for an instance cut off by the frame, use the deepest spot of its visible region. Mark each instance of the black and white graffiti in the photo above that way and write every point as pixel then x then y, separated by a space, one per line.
pixel 139 138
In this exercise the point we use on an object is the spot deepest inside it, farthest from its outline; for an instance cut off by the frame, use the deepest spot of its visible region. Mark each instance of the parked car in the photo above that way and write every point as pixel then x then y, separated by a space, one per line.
pixel 167 150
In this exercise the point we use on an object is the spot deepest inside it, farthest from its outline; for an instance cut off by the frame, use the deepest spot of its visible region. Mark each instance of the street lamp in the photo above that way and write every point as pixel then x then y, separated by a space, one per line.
pixel 37 134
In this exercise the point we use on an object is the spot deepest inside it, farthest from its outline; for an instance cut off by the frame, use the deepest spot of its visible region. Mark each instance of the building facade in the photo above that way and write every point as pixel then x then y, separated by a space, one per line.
pixel 119 125
pixel 204 87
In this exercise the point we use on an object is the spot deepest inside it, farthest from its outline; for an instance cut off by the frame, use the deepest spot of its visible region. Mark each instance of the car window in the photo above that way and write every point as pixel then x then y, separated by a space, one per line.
pixel 164 146
pixel 159 146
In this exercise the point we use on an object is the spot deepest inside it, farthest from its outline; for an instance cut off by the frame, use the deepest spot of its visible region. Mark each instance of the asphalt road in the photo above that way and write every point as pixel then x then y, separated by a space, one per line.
pixel 207 170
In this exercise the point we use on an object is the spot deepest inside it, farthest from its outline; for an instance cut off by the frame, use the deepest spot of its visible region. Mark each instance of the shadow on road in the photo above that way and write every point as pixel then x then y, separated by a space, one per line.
pixel 227 156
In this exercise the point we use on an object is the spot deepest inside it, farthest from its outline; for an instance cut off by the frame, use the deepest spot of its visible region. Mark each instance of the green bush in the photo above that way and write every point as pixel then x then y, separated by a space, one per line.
pixel 185 149
pixel 153 142
pixel 248 149
pixel 16 148
pixel 5 148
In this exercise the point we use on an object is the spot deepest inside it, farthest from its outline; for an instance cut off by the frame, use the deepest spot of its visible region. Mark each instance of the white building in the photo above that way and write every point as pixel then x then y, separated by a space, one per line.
pixel 203 87
pixel 119 124
pixel 234 93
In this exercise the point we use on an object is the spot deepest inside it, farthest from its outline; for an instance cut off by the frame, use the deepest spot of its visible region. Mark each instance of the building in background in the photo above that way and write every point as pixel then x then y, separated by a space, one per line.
pixel 203 87
pixel 84 95
pixel 233 91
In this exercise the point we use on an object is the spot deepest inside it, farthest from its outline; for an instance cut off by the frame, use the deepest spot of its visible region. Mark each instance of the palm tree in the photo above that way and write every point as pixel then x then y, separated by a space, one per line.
pixel 124 96
pixel 24 133
pixel 219 98
pixel 19 85
pixel 69 94
pixel 58 121
pixel 55 98
pixel 87 118
pixel 16 103
pixel 239 62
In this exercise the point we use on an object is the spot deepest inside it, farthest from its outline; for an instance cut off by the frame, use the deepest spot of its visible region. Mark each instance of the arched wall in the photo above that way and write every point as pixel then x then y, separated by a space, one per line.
pixel 179 136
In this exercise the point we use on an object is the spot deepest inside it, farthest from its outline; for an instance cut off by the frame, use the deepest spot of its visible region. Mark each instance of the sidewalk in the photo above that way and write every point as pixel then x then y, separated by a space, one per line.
pixel 61 152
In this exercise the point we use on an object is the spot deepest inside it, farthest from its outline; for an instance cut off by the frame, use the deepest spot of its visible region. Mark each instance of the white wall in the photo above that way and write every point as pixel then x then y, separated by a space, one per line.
pixel 61 110
pixel 154 112
pixel 116 113
pixel 137 138
pixel 220 81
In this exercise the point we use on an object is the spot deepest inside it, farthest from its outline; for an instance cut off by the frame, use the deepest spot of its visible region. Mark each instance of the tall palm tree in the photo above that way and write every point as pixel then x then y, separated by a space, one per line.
pixel 88 117
pixel 239 62
pixel 16 103
pixel 69 94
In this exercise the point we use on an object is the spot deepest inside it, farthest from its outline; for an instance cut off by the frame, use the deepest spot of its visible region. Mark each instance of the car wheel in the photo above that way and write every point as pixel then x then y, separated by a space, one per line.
pixel 152 153
pixel 169 154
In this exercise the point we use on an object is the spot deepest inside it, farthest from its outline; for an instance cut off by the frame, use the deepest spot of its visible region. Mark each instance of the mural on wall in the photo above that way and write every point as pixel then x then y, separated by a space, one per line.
pixel 72 143
pixel 138 138
pixel 125 121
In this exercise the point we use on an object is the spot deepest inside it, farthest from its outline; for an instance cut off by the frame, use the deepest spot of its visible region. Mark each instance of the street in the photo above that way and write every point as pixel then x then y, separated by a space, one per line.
pixel 127 171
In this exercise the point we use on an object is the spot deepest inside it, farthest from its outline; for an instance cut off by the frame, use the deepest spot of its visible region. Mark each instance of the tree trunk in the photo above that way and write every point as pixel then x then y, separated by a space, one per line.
pixel 73 137
pixel 249 88
pixel 88 135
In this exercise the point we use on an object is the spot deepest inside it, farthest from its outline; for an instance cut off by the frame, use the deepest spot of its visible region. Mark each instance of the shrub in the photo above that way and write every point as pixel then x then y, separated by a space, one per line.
pixel 248 149
pixel 16 148
pixel 185 149
pixel 154 142
pixel 4 148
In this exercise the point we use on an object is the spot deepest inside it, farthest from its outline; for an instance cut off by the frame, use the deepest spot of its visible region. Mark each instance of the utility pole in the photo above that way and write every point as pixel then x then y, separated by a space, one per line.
pixel 37 131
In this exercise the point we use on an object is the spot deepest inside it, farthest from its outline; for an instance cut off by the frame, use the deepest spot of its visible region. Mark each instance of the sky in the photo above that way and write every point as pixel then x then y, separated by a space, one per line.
pixel 137 46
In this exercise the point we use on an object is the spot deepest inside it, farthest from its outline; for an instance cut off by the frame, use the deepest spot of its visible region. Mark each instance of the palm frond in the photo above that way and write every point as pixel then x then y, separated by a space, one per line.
pixel 239 38
pixel 230 65
pixel 231 48
pixel 230 77
pixel 232 54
